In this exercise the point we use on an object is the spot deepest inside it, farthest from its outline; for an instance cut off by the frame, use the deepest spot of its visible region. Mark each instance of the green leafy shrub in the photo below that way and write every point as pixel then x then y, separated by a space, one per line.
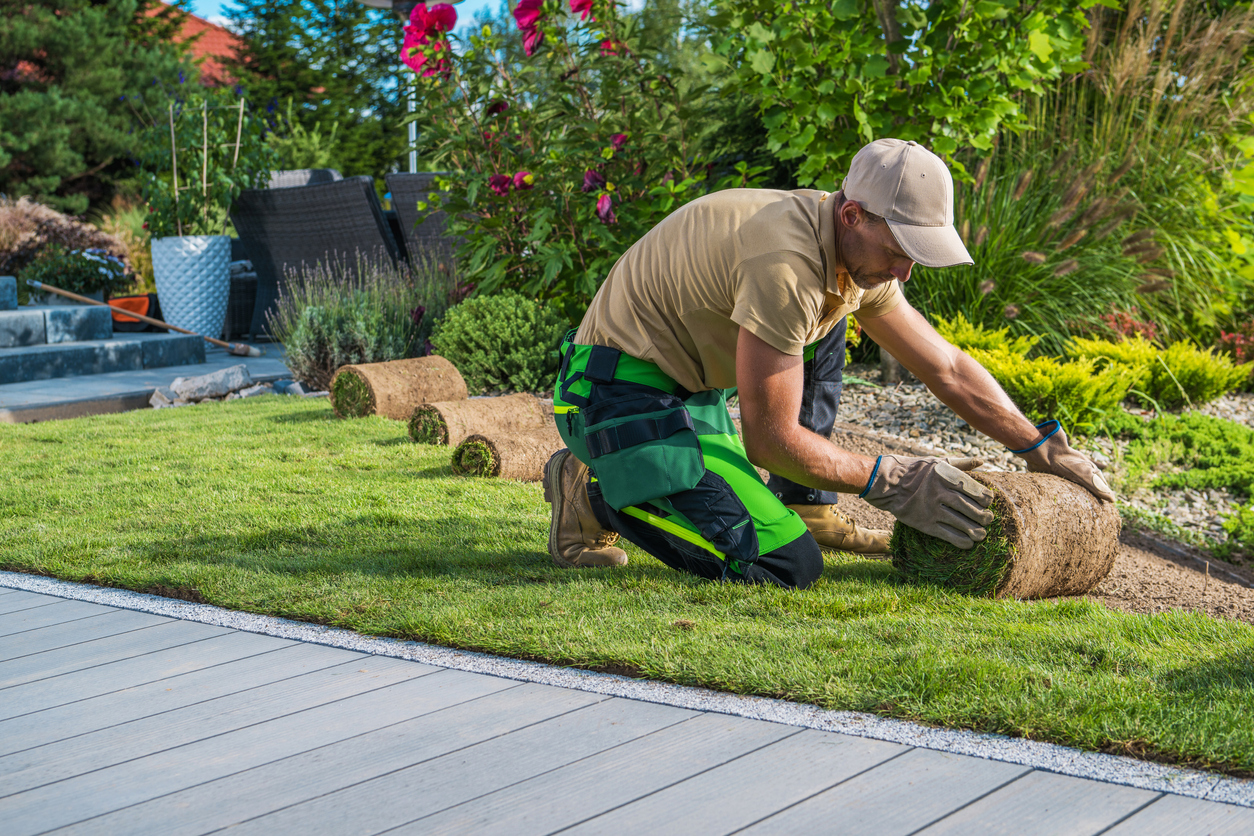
pixel 78 271
pixel 501 342
pixel 1240 528
pixel 332 314
pixel 1201 451
pixel 967 336
pixel 1076 392
pixel 1180 375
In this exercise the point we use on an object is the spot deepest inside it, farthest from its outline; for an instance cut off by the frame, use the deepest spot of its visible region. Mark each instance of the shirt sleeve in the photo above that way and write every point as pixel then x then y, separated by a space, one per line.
pixel 881 300
pixel 779 298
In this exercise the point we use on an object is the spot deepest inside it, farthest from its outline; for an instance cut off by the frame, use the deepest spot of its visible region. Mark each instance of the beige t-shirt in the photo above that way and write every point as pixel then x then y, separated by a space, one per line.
pixel 759 258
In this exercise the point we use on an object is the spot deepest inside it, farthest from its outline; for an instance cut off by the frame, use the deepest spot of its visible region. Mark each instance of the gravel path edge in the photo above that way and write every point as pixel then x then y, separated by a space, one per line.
pixel 1048 757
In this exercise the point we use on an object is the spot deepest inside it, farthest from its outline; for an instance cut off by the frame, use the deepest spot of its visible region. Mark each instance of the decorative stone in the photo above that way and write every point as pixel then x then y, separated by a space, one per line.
pixel 77 323
pixel 213 385
pixel 8 293
pixel 21 327
pixel 174 350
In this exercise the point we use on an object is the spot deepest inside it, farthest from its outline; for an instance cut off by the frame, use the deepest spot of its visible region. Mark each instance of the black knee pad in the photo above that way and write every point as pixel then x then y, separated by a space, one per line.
pixel 797 564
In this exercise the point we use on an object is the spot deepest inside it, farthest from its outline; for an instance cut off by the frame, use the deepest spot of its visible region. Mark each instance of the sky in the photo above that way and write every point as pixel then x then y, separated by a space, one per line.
pixel 216 11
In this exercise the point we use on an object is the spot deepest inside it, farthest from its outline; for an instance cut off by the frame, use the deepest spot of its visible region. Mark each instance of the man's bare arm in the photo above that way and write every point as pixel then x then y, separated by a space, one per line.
pixel 770 385
pixel 961 383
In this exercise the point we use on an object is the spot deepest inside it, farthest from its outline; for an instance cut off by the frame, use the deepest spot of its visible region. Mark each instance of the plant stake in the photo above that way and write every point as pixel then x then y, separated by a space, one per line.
pixel 174 160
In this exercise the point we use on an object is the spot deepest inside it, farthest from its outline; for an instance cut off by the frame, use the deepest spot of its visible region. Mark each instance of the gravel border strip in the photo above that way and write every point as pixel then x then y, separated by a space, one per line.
pixel 1048 757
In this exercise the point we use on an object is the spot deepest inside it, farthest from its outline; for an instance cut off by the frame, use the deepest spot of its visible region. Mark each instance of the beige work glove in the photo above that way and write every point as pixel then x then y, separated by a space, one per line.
pixel 1054 455
pixel 932 495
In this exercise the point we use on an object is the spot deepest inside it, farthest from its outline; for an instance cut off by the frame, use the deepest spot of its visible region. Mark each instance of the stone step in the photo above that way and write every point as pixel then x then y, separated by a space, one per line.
pixel 129 352
pixel 48 324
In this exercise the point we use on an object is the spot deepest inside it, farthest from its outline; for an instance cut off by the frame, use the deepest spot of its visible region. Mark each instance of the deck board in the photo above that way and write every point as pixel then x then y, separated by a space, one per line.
pixel 26 601
pixel 66 611
pixel 40 638
pixel 1174 815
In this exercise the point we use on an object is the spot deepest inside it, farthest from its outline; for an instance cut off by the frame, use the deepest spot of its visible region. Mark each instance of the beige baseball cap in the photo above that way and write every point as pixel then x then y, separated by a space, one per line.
pixel 912 189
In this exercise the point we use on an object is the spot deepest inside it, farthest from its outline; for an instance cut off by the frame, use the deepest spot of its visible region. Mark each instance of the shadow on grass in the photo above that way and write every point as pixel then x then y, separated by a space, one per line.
pixel 313 413
pixel 1230 673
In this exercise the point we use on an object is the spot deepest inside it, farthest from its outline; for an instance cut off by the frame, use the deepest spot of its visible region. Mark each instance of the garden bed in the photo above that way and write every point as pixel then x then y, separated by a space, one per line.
pixel 292 513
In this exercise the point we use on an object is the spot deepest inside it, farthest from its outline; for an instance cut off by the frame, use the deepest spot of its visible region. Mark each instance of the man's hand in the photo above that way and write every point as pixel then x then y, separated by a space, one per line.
pixel 934 496
pixel 1055 455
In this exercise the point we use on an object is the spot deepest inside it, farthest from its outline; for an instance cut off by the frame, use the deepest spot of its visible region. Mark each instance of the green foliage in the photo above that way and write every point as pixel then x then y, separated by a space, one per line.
pixel 336 63
pixel 219 149
pixel 79 271
pixel 67 70
pixel 1180 375
pixel 560 160
pixel 1240 528
pixel 501 342
pixel 978 571
pixel 831 77
pixel 1196 451
pixel 967 336
pixel 334 314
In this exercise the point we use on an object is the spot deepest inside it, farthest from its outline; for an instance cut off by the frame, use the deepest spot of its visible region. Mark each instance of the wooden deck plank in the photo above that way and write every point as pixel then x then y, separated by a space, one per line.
pixel 41 639
pixel 104 651
pixel 408 794
pixel 1044 803
pixel 279 784
pixel 897 797
pixel 147 736
pixel 1175 815
pixel 26 600
pixel 613 778
pixel 242 671
pixel 65 611
pixel 132 671
pixel 105 790
pixel 748 789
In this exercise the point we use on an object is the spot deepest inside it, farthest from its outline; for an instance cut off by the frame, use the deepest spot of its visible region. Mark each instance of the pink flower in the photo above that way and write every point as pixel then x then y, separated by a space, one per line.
pixel 583 8
pixel 605 209
pixel 610 47
pixel 524 180
pixel 498 107
pixel 500 183
pixel 527 13
pixel 424 36
pixel 617 141
pixel 439 18
pixel 592 181
pixel 532 38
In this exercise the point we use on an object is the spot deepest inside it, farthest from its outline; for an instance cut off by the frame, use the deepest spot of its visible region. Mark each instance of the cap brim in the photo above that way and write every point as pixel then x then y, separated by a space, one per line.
pixel 931 246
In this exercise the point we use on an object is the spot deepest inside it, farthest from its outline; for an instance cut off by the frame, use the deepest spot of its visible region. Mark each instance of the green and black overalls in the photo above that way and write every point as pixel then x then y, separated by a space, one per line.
pixel 670 474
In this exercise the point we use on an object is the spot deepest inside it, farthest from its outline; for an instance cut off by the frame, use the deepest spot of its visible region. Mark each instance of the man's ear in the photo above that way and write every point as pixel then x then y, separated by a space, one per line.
pixel 850 213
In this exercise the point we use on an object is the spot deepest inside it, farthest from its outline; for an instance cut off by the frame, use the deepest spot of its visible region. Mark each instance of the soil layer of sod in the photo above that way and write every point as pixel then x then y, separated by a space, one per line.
pixel 290 512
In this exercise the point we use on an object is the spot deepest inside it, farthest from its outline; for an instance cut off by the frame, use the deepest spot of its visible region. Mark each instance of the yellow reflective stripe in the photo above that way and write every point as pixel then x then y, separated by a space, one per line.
pixel 678 530
pixel 562 409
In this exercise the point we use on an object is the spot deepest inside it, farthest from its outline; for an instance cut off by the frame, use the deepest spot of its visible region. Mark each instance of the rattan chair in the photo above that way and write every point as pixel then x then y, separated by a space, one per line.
pixel 284 228
pixel 302 177
pixel 429 237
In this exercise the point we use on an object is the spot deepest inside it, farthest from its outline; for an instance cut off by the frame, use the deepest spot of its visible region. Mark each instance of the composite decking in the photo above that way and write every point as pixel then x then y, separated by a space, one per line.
pixel 120 722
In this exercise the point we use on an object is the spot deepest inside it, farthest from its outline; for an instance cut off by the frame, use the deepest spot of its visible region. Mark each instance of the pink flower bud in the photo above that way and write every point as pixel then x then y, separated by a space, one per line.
pixel 498 107
pixel 524 180
pixel 605 209
pixel 592 181
pixel 500 183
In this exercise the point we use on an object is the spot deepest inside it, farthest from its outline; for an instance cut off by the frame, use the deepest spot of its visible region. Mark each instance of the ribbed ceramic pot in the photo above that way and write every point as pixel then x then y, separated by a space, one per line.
pixel 193 280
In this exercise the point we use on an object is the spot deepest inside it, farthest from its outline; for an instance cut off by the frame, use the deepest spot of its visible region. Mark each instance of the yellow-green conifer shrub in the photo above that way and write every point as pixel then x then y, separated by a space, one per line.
pixel 1076 392
pixel 1180 375
pixel 967 336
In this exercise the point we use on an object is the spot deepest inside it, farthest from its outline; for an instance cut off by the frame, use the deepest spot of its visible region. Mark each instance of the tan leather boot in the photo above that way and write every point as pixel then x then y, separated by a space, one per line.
pixel 576 538
pixel 834 530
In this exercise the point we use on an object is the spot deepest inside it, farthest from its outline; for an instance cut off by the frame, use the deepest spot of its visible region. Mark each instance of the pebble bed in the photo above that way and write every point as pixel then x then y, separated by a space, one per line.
pixel 909 411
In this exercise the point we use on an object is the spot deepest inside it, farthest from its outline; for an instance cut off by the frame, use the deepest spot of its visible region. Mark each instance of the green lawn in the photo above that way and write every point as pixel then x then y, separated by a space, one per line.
pixel 271 505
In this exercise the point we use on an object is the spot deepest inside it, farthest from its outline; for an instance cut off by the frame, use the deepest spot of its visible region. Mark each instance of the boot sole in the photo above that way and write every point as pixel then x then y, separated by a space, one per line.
pixel 553 495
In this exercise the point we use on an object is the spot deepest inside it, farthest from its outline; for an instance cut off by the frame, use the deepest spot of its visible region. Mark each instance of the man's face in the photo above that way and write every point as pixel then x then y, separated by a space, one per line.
pixel 870 252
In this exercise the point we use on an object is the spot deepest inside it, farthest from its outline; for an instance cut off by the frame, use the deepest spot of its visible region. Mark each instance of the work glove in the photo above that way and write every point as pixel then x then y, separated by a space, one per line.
pixel 1053 454
pixel 932 495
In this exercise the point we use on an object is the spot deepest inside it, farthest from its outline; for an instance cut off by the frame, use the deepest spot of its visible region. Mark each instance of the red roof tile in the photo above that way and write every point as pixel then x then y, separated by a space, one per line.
pixel 211 50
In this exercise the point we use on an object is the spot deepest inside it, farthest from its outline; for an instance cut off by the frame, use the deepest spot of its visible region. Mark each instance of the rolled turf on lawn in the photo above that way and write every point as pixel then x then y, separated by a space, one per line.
pixel 292 513
pixel 452 421
pixel 516 455
pixel 393 389
pixel 1049 537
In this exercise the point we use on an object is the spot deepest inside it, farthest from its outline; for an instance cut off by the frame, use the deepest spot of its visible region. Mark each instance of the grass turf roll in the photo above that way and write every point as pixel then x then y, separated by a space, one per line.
pixel 1049 537
pixel 451 422
pixel 393 389
pixel 508 455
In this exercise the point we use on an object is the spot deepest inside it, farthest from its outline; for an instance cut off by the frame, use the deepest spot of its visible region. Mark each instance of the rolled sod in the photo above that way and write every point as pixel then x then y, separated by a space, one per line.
pixel 451 422
pixel 1049 537
pixel 508 455
pixel 393 389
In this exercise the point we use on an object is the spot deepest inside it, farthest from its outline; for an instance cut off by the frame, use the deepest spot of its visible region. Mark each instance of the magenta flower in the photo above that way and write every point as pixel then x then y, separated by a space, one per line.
pixel 592 181
pixel 424 35
pixel 527 13
pixel 439 18
pixel 610 47
pixel 500 183
pixel 617 141
pixel 524 180
pixel 583 8
pixel 498 107
pixel 532 38
pixel 605 209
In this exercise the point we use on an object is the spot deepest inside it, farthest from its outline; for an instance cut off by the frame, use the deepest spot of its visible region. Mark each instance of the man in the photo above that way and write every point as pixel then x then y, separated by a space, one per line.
pixel 749 288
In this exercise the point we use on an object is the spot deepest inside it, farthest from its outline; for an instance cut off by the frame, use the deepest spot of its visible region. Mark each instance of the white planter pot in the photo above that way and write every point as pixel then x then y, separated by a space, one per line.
pixel 193 280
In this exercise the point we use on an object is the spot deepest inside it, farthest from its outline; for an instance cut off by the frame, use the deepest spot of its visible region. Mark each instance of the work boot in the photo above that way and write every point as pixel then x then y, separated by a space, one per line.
pixel 834 530
pixel 576 538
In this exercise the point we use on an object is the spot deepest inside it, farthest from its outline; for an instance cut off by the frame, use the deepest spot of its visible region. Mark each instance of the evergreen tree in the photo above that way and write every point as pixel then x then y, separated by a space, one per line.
pixel 337 63
pixel 67 70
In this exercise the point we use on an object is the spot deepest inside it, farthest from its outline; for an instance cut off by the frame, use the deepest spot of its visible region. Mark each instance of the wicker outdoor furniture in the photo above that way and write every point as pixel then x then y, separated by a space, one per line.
pixel 302 177
pixel 430 236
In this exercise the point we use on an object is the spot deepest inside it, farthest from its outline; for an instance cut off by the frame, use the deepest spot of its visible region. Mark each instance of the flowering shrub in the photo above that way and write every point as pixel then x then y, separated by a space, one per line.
pixel 561 161
pixel 1239 343
pixel 1125 324
pixel 78 271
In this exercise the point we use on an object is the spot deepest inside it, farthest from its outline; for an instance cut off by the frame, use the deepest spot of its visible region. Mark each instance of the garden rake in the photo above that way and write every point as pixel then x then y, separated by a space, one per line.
pixel 238 349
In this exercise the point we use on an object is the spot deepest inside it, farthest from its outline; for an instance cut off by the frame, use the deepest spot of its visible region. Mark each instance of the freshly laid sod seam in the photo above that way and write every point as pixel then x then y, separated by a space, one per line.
pixel 271 505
